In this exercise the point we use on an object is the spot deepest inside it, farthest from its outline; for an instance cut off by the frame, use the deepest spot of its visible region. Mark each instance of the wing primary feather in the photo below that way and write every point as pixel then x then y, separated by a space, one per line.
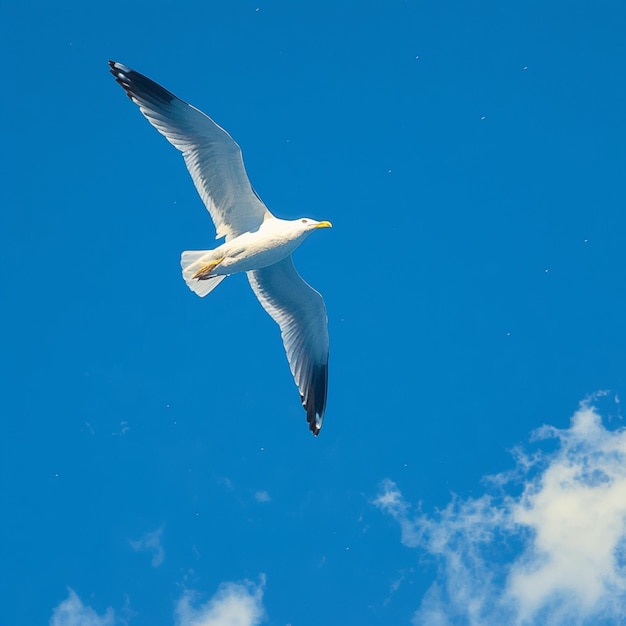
pixel 315 402
pixel 136 84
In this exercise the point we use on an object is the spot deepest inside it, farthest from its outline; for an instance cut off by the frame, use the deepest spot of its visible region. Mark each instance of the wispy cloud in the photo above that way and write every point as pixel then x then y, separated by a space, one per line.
pixel 72 612
pixel 234 604
pixel 555 554
pixel 262 496
pixel 150 542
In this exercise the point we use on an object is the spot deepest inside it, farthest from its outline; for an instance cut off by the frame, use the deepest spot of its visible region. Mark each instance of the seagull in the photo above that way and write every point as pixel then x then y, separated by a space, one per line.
pixel 255 241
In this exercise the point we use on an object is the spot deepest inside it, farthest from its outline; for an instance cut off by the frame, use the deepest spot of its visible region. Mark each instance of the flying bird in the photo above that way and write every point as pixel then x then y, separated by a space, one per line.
pixel 256 242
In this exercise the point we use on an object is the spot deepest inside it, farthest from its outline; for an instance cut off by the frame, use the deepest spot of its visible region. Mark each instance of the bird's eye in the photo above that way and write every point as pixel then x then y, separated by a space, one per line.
pixel 304 221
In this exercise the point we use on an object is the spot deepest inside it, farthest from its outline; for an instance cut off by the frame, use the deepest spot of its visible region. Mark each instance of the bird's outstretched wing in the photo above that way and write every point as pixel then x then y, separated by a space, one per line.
pixel 213 158
pixel 300 312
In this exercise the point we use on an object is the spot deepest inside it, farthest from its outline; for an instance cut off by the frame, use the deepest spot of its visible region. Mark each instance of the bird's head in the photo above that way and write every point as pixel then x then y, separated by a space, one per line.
pixel 308 224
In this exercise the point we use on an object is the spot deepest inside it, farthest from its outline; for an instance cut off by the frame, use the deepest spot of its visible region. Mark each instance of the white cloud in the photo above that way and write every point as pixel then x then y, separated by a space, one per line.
pixel 262 496
pixel 554 555
pixel 72 612
pixel 152 543
pixel 234 604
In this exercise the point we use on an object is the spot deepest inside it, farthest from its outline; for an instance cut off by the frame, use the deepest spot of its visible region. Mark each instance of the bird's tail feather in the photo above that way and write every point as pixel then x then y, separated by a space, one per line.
pixel 189 263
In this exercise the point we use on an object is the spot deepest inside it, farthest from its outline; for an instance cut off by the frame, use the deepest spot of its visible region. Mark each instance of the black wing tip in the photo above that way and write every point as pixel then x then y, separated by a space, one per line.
pixel 315 423
pixel 137 85
pixel 315 402
pixel 119 71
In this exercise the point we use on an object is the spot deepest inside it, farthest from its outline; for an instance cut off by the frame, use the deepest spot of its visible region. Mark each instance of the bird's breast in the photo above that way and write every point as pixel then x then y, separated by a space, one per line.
pixel 252 251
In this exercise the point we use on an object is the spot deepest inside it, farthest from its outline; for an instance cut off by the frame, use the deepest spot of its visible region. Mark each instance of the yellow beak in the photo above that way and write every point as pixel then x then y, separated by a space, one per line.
pixel 324 225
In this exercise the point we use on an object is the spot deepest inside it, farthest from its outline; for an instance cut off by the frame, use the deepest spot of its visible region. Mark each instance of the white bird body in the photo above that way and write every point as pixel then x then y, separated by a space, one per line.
pixel 272 242
pixel 256 242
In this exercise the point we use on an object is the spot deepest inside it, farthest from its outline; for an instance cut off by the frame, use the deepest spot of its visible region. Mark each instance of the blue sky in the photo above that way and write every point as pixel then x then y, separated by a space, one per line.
pixel 156 467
